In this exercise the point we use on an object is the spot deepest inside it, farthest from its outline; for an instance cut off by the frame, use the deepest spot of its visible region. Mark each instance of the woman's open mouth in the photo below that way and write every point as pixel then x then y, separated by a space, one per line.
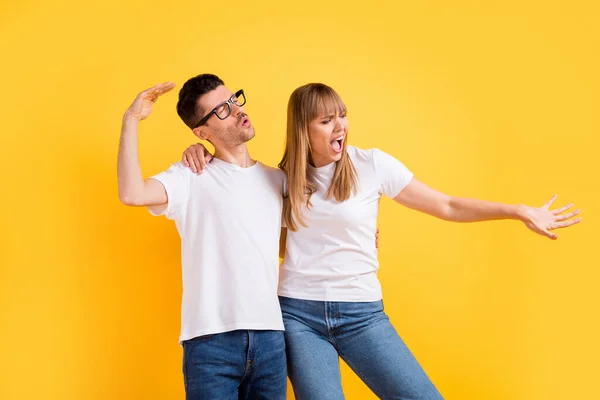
pixel 337 144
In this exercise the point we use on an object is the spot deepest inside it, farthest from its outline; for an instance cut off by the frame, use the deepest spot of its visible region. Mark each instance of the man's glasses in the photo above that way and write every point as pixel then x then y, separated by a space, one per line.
pixel 223 110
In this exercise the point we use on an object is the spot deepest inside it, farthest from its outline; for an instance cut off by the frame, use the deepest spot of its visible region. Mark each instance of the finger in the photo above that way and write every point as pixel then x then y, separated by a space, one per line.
pixel 165 87
pixel 549 235
pixel 564 224
pixel 148 90
pixel 200 156
pixel 547 205
pixel 562 209
pixel 185 161
pixel 152 89
pixel 567 216
pixel 158 90
pixel 192 163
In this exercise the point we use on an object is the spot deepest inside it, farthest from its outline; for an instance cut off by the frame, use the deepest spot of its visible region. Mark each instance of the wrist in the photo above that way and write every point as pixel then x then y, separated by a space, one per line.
pixel 522 213
pixel 131 118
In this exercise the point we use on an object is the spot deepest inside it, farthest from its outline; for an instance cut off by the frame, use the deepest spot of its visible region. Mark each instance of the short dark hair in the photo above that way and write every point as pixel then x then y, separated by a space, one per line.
pixel 189 94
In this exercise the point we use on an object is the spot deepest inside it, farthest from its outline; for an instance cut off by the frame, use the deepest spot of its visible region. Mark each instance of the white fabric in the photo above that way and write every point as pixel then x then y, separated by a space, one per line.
pixel 229 221
pixel 335 257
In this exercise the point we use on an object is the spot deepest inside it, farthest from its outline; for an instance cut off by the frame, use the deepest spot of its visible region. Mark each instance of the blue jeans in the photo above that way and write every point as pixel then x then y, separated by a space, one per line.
pixel 235 365
pixel 318 332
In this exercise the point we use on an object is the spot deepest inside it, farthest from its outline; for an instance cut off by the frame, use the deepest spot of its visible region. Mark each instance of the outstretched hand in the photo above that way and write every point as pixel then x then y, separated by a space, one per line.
pixel 543 221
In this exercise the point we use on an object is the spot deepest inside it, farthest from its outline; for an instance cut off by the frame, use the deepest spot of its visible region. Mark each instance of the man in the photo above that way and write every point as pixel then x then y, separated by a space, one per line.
pixel 229 221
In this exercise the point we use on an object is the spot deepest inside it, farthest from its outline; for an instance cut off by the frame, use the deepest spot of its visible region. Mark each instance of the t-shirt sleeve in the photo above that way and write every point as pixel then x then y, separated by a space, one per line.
pixel 392 174
pixel 176 183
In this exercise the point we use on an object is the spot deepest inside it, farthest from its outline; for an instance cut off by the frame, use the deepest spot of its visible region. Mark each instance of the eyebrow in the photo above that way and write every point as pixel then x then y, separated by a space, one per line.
pixel 225 101
pixel 332 114
pixel 218 104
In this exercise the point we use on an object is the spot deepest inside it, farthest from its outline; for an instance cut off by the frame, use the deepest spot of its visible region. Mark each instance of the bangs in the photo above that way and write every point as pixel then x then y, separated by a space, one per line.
pixel 325 101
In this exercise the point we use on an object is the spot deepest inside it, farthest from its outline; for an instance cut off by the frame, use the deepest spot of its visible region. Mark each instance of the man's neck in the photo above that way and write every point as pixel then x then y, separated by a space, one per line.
pixel 237 155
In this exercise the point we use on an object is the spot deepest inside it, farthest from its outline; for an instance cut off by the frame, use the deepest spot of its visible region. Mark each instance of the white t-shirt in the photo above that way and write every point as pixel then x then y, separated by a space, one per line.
pixel 335 257
pixel 229 221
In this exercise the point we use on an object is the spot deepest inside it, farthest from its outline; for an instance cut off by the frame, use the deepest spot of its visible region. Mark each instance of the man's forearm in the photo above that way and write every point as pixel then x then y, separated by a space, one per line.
pixel 131 182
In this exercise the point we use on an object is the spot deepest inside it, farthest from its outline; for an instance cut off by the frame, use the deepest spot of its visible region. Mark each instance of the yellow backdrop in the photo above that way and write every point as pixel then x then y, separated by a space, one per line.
pixel 495 100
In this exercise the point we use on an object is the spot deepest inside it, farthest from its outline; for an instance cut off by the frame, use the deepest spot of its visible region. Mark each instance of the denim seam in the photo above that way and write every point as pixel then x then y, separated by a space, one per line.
pixel 326 304
pixel 331 331
pixel 246 366
pixel 185 375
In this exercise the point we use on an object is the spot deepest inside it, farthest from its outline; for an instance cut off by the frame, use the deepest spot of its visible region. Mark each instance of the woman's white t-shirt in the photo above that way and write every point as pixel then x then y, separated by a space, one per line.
pixel 334 258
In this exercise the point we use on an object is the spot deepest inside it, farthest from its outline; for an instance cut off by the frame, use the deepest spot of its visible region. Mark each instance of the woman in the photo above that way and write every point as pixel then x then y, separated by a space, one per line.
pixel 330 296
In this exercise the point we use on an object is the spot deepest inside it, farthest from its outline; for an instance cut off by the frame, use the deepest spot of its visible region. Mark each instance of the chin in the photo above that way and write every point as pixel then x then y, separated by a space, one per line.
pixel 246 136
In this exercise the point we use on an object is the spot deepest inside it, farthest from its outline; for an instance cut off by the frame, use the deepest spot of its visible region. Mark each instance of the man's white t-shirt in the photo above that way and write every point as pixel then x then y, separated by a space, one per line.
pixel 229 221
pixel 335 257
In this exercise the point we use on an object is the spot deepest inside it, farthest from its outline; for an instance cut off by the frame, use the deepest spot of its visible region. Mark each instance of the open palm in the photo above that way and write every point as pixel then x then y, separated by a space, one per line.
pixel 542 220
pixel 142 105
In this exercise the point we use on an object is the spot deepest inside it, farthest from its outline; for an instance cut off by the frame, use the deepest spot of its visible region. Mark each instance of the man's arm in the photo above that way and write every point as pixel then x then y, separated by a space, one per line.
pixel 133 189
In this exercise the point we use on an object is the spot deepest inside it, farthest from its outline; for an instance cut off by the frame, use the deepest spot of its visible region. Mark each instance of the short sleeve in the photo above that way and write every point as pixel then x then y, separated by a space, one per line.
pixel 176 183
pixel 392 174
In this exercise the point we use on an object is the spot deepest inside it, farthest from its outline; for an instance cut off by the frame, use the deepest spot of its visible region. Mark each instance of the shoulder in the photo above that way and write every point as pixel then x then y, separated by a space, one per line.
pixel 374 156
pixel 277 178
pixel 376 160
pixel 175 171
pixel 179 168
pixel 272 172
pixel 362 159
pixel 358 154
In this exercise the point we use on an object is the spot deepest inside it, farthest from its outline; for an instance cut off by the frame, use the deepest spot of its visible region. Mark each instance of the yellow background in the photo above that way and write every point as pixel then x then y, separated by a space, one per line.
pixel 494 100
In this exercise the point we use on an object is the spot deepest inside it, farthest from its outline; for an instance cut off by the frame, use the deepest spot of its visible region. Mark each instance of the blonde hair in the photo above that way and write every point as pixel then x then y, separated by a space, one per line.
pixel 307 103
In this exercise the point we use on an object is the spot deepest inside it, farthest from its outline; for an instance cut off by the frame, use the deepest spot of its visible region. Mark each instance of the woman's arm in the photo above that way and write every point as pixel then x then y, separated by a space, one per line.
pixel 418 196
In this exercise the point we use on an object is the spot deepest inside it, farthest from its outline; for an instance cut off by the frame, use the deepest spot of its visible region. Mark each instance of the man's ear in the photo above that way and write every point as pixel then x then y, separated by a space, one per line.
pixel 200 132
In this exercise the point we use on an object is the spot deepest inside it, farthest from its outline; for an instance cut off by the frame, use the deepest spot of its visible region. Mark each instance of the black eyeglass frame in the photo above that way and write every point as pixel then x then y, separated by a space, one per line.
pixel 228 103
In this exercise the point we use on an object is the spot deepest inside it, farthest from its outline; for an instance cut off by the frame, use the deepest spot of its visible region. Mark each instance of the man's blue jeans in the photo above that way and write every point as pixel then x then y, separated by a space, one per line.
pixel 235 365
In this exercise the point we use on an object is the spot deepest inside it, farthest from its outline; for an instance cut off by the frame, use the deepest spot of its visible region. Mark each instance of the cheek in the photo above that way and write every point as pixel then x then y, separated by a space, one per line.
pixel 319 139
pixel 217 125
pixel 228 126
